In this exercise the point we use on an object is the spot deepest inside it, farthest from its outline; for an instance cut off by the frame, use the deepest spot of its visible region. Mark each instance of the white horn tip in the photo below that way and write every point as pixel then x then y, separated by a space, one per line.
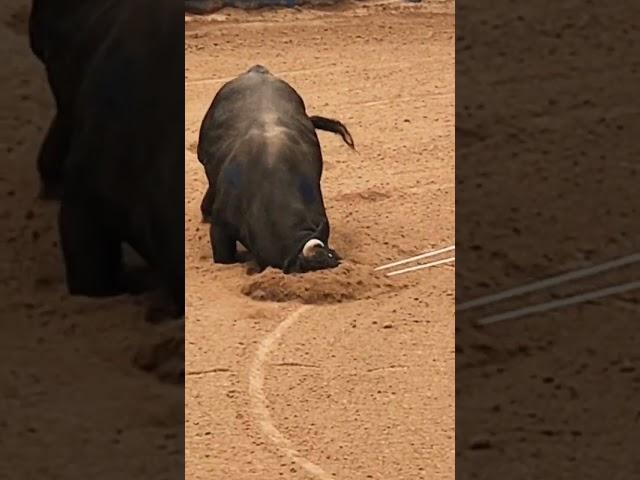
pixel 310 245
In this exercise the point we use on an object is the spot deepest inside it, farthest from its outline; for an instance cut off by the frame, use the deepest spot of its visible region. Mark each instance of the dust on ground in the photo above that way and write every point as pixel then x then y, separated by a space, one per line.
pixel 74 403
pixel 363 383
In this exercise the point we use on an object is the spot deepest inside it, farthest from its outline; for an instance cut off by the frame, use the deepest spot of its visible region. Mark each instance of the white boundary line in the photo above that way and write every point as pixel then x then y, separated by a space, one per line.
pixel 420 267
pixel 543 307
pixel 540 284
pixel 417 257
pixel 259 400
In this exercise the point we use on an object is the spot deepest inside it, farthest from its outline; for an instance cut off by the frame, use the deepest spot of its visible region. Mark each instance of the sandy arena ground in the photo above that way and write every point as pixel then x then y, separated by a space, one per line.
pixel 547 182
pixel 361 383
pixel 73 404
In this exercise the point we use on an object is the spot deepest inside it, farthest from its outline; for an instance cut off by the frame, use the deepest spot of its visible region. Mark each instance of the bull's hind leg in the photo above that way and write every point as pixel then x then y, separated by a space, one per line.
pixel 223 244
pixel 206 205
pixel 51 158
pixel 137 276
pixel 165 252
pixel 92 255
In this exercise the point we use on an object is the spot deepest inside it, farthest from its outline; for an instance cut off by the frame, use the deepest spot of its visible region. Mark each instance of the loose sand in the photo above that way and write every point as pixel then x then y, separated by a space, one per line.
pixel 73 404
pixel 361 383
pixel 547 182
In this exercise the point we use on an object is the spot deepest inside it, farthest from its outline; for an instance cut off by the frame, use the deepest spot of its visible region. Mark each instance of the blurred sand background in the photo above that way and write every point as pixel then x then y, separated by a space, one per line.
pixel 547 182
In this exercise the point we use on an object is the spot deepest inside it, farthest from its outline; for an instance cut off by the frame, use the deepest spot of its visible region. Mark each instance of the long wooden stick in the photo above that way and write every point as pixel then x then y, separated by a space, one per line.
pixel 420 267
pixel 417 257
pixel 549 282
pixel 563 302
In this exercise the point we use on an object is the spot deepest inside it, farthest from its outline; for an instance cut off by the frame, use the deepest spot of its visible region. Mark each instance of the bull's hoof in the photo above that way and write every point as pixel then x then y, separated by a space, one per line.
pixel 254 269
pixel 134 281
pixel 225 260
pixel 139 280
pixel 95 291
pixel 244 257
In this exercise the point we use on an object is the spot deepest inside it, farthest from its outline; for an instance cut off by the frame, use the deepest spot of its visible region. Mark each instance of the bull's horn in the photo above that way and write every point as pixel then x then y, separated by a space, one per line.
pixel 310 245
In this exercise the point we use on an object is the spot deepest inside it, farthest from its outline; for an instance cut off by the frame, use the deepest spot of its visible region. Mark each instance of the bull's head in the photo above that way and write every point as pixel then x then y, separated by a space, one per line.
pixel 315 255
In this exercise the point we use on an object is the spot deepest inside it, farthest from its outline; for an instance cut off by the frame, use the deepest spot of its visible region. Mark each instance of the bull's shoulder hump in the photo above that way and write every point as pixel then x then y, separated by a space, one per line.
pixel 261 69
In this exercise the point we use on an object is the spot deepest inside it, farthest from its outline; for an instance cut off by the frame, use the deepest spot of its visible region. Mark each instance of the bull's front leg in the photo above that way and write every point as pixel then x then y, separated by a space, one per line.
pixel 206 205
pixel 223 245
pixel 92 255
pixel 51 158
pixel 169 304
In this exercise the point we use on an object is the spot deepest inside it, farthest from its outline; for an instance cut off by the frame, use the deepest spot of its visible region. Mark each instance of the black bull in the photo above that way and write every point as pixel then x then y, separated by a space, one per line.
pixel 114 152
pixel 264 165
pixel 65 36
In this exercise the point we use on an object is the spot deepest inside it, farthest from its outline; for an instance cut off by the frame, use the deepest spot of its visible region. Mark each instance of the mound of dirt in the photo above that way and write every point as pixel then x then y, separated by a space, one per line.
pixel 346 283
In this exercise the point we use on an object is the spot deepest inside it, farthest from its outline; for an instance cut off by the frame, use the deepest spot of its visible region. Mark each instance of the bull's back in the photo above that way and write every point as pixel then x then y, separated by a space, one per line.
pixel 245 102
pixel 66 36
pixel 127 105
pixel 267 193
pixel 259 91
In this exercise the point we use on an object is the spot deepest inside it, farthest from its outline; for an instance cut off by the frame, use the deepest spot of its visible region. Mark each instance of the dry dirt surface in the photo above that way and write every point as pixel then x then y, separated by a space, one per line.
pixel 547 183
pixel 73 403
pixel 358 383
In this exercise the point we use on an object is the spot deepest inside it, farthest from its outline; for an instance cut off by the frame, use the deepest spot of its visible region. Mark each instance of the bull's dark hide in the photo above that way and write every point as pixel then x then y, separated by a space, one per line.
pixel 203 7
pixel 116 69
pixel 64 35
pixel 263 161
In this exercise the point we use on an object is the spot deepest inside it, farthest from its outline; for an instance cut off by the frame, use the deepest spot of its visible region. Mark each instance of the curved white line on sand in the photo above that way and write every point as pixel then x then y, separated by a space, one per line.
pixel 259 401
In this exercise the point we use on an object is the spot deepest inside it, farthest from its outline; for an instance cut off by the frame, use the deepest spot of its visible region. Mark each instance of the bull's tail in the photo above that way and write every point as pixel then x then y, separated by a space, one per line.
pixel 334 126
